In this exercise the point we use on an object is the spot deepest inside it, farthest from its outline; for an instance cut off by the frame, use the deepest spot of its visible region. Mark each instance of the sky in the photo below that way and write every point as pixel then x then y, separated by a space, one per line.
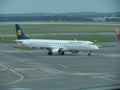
pixel 57 6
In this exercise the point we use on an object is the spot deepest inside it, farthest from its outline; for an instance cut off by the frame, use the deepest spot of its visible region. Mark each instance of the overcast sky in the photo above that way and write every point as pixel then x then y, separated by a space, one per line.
pixel 57 6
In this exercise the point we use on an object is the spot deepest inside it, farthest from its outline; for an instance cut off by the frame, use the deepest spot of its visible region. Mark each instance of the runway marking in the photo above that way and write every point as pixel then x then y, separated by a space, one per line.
pixel 21 69
pixel 8 51
pixel 25 69
pixel 13 71
pixel 112 55
pixel 107 77
pixel 2 69
pixel 111 79
pixel 82 74
pixel 21 89
pixel 61 65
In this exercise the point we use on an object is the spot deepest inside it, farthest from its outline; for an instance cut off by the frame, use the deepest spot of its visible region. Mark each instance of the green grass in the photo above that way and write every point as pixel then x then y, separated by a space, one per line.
pixel 60 28
pixel 24 48
pixel 7 39
pixel 79 27
pixel 99 38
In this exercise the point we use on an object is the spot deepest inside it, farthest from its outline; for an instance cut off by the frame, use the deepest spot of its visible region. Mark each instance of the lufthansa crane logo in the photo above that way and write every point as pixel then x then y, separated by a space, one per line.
pixel 19 32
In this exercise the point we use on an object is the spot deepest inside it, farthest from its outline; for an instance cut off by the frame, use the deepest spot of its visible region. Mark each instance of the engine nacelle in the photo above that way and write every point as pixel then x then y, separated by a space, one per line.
pixel 55 51
pixel 74 51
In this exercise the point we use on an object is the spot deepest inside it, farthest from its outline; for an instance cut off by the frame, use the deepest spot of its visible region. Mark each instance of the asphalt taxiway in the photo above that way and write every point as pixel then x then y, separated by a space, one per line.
pixel 35 70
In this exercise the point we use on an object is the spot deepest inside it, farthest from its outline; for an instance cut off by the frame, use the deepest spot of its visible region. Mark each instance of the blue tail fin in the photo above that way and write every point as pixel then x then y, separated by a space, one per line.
pixel 20 33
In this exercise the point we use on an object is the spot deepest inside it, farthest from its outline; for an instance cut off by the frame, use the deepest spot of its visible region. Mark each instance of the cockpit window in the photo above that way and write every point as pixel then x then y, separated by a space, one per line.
pixel 91 44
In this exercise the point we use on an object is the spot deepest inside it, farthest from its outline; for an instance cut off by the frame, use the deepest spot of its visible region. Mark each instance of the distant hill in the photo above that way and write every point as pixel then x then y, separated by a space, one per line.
pixel 71 16
pixel 89 14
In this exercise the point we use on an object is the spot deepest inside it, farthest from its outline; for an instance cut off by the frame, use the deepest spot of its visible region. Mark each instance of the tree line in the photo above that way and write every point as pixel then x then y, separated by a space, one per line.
pixel 85 16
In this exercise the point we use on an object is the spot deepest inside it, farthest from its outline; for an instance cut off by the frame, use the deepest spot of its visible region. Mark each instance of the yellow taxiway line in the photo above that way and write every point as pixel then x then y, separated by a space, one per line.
pixel 13 71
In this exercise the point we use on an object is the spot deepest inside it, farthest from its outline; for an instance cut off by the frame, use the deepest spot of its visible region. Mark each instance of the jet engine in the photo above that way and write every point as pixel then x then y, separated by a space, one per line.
pixel 55 51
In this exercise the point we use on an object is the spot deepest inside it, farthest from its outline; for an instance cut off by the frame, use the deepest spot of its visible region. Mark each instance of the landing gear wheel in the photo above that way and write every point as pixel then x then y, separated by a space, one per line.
pixel 89 54
pixel 62 53
pixel 49 53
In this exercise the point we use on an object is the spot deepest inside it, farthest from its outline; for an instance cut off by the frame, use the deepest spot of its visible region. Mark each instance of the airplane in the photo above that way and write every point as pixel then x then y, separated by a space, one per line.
pixel 54 46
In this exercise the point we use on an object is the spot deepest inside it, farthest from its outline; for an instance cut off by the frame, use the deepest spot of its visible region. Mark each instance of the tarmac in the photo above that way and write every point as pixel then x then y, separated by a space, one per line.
pixel 35 70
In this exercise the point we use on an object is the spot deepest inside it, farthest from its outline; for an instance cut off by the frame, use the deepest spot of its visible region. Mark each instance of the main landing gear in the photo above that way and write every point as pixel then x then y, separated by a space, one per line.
pixel 89 53
pixel 50 53
pixel 60 53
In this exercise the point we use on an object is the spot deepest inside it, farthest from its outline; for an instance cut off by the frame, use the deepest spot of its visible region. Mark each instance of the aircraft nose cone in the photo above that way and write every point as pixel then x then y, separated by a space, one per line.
pixel 97 48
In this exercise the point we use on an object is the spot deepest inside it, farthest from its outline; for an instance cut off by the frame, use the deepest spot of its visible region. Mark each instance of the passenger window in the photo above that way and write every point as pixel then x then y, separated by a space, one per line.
pixel 91 44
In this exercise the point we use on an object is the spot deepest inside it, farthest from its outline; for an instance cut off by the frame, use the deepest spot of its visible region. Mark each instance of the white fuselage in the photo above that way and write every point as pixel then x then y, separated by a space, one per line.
pixel 65 45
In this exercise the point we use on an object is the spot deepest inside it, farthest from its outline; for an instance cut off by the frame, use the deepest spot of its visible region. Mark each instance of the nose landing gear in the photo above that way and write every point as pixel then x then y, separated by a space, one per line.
pixel 89 53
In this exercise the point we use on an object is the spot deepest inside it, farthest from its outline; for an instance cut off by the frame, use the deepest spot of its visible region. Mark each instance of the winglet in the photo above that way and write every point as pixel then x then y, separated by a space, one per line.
pixel 20 33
